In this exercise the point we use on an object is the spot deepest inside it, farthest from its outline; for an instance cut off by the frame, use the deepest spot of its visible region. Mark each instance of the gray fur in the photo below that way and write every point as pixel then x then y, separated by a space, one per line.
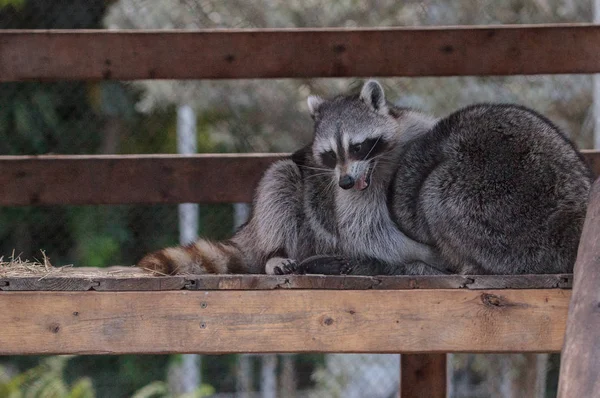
pixel 490 189
pixel 494 189
pixel 498 189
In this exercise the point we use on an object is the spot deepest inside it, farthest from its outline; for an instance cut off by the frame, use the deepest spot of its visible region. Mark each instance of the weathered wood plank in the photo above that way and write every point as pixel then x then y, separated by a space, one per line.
pixel 141 284
pixel 273 53
pixel 77 279
pixel 283 321
pixel 471 282
pixel 423 375
pixel 580 361
pixel 562 281
pixel 32 283
pixel 122 179
pixel 119 179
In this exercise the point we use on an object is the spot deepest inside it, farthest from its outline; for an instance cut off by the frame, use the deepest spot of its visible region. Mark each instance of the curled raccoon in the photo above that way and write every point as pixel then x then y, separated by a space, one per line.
pixel 385 190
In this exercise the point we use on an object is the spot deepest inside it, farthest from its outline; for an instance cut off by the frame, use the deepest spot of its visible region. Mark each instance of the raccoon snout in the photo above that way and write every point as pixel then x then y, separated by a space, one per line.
pixel 346 182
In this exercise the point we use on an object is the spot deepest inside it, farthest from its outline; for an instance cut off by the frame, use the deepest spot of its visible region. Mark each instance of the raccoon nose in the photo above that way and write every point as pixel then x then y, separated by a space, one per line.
pixel 346 182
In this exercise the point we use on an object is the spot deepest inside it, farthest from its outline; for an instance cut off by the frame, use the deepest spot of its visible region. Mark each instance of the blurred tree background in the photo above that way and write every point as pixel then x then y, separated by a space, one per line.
pixel 237 116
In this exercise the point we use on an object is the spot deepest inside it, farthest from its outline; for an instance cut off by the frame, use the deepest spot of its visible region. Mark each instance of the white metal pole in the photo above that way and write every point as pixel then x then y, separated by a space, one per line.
pixel 244 384
pixel 189 378
pixel 186 145
pixel 268 378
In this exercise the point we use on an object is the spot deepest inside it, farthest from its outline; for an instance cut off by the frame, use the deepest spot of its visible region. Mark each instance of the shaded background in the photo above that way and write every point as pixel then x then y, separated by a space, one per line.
pixel 238 116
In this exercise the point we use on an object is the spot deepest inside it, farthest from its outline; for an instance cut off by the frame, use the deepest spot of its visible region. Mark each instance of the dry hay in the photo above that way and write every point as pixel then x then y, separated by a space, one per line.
pixel 15 267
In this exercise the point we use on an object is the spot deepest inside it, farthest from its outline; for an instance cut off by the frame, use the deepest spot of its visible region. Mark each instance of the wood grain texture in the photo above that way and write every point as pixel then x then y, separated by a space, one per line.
pixel 403 282
pixel 148 283
pixel 146 179
pixel 134 279
pixel 120 179
pixel 423 375
pixel 283 321
pixel 580 360
pixel 274 53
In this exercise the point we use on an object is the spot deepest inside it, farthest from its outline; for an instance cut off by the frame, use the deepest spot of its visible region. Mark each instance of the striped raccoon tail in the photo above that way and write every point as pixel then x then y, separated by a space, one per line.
pixel 200 257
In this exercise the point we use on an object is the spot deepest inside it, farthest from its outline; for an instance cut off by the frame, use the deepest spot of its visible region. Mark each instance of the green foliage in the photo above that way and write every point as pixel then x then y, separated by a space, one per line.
pixel 49 379
pixel 98 234
pixel 99 250
pixel 38 118
pixel 46 380
pixel 118 376
pixel 160 389
pixel 12 3
pixel 155 389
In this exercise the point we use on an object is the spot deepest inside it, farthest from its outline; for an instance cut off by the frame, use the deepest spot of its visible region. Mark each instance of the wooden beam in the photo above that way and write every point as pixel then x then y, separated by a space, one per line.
pixel 299 53
pixel 592 157
pixel 580 361
pixel 423 375
pixel 134 279
pixel 124 179
pixel 376 321
pixel 117 179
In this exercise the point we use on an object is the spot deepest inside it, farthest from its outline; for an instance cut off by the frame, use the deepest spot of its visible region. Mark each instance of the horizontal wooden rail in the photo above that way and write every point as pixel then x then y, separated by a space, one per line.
pixel 135 279
pixel 146 179
pixel 299 53
pixel 76 180
pixel 351 321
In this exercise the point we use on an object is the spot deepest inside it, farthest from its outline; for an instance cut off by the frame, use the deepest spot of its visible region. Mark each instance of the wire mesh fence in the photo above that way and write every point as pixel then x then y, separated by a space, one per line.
pixel 243 116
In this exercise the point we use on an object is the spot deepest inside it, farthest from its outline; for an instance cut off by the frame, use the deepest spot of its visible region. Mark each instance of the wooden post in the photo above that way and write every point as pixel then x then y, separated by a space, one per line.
pixel 423 375
pixel 580 363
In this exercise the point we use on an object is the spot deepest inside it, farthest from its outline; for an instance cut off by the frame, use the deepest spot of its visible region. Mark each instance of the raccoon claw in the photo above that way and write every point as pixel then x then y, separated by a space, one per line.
pixel 327 265
pixel 287 267
pixel 320 264
pixel 346 268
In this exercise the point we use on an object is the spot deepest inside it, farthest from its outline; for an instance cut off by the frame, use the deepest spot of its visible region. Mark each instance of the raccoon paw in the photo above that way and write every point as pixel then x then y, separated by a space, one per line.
pixel 288 267
pixel 327 265
pixel 282 266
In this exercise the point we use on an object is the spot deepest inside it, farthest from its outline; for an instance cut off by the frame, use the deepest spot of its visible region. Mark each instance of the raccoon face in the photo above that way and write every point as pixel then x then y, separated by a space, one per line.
pixel 353 164
pixel 352 134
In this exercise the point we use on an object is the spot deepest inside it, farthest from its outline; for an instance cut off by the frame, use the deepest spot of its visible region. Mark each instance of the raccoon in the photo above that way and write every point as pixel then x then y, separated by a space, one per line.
pixel 489 189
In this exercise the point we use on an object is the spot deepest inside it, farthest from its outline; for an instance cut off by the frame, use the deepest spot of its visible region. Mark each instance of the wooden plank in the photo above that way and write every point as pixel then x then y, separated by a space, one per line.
pixel 423 375
pixel 79 280
pixel 119 179
pixel 150 283
pixel 322 282
pixel 299 53
pixel 549 281
pixel 160 283
pixel 592 157
pixel 402 282
pixel 123 179
pixel 282 321
pixel 580 361
pixel 32 283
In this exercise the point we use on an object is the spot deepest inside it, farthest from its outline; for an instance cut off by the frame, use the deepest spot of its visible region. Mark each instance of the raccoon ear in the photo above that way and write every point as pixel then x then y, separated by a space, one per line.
pixel 314 103
pixel 372 94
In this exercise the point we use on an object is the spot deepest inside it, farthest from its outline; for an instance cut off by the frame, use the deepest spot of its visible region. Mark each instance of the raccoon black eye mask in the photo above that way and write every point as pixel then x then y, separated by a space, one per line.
pixel 366 150
pixel 383 190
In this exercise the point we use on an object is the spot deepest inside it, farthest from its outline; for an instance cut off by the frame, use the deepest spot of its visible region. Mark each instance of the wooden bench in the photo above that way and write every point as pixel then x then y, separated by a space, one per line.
pixel 124 310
